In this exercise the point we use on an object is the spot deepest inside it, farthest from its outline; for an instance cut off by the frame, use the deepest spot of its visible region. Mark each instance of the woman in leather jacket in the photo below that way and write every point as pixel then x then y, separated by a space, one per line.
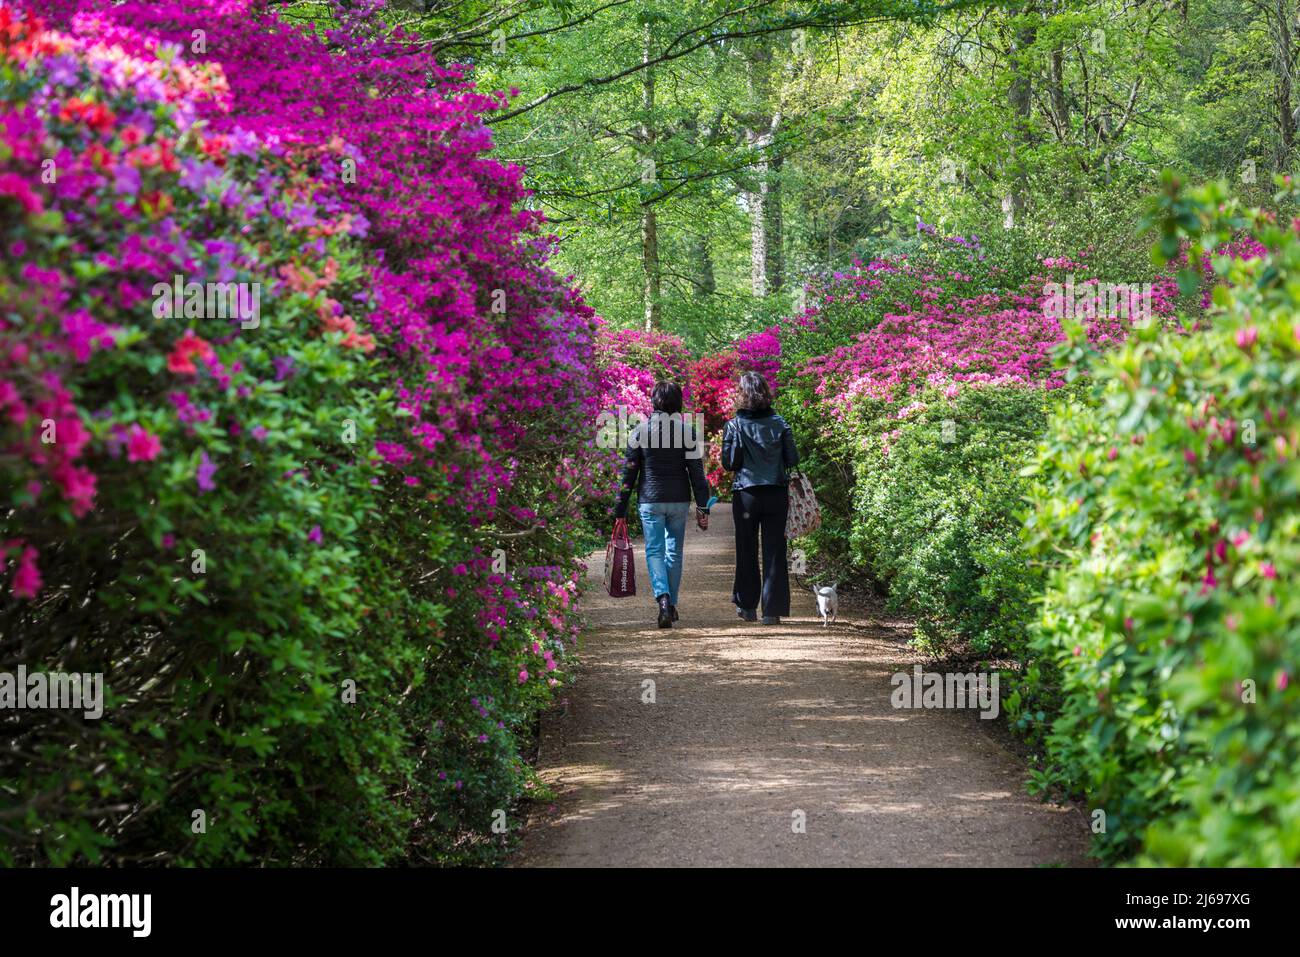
pixel 757 445
pixel 665 464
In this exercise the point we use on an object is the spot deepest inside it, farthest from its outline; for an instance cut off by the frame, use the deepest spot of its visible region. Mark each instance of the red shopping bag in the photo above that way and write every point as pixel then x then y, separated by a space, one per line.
pixel 620 569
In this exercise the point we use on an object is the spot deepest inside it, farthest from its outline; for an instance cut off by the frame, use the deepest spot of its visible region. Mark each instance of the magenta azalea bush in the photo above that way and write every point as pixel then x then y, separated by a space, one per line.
pixel 630 361
pixel 288 399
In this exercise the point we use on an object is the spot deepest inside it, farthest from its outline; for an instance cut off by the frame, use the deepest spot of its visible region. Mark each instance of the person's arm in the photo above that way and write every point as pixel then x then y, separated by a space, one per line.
pixel 631 473
pixel 732 451
pixel 695 472
pixel 789 454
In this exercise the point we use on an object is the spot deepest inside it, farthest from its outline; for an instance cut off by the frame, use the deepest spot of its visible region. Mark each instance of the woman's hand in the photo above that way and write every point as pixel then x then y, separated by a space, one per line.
pixel 702 519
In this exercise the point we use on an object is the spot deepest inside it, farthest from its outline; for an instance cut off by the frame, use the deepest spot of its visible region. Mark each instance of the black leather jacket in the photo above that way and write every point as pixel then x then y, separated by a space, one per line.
pixel 663 467
pixel 759 447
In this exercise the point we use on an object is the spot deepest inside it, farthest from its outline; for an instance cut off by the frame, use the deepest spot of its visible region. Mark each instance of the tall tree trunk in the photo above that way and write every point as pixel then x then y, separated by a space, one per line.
pixel 650 269
pixel 1061 121
pixel 759 133
pixel 1020 99
pixel 706 283
pixel 758 237
pixel 775 224
pixel 1056 89
pixel 1282 63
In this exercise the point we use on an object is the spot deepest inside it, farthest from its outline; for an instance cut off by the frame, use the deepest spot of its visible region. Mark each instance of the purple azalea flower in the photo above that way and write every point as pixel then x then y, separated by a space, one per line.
pixel 243 143
pixel 63 70
pixel 196 174
pixel 205 472
pixel 127 180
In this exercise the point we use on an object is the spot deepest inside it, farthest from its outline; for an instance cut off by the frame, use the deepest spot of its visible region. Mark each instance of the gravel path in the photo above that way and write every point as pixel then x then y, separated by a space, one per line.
pixel 754 728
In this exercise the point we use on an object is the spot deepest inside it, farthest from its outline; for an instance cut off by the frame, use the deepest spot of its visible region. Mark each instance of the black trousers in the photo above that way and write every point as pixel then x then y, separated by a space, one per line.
pixel 761 508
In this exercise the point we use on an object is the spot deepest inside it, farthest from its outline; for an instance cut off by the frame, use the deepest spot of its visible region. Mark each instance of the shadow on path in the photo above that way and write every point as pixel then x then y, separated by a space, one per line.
pixel 753 727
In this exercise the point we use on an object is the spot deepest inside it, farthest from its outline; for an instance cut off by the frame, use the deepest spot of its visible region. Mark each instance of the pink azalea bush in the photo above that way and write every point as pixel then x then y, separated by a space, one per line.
pixel 314 554
pixel 628 363
pixel 917 387
pixel 943 337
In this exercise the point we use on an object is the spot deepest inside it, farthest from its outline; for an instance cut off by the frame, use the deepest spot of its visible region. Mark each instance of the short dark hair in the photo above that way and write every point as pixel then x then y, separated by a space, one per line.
pixel 667 397
pixel 753 393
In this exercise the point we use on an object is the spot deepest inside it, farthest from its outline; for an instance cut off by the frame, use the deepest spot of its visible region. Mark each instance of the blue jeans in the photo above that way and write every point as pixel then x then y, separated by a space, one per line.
pixel 665 530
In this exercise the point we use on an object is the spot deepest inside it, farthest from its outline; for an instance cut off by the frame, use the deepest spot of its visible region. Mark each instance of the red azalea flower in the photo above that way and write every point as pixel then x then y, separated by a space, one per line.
pixel 181 359
pixel 144 157
pixel 99 156
pixel 166 158
pixel 214 147
pixel 157 202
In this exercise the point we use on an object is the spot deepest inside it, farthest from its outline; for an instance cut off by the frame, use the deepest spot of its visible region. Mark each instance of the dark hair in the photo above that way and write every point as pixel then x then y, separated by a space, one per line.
pixel 667 397
pixel 752 392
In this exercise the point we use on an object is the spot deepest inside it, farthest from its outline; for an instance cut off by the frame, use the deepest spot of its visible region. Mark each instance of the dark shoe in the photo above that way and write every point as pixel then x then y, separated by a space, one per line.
pixel 748 614
pixel 665 612
pixel 673 609
pixel 771 620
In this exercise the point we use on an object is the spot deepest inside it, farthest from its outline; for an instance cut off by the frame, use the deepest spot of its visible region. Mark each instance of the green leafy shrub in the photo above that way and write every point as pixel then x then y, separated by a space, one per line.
pixel 1167 508
pixel 937 514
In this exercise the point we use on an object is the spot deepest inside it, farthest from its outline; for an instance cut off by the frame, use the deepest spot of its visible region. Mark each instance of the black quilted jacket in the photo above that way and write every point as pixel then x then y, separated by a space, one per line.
pixel 664 463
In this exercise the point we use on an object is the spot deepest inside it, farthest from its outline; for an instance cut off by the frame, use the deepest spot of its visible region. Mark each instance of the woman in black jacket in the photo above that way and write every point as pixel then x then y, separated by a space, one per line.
pixel 757 445
pixel 665 463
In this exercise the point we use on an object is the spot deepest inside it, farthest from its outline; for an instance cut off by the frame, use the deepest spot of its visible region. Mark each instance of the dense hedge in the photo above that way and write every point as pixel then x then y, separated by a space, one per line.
pixel 918 390
pixel 1167 506
pixel 938 517
pixel 1074 501
pixel 326 562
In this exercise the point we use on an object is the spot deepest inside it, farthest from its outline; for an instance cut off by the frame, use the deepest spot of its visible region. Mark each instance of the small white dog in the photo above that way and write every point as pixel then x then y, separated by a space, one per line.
pixel 828 602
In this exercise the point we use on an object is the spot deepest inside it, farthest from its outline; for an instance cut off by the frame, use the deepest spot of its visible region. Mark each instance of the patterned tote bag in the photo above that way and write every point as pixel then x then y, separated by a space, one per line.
pixel 805 516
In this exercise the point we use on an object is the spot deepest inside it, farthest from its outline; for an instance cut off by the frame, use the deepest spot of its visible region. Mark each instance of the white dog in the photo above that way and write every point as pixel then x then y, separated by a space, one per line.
pixel 828 602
